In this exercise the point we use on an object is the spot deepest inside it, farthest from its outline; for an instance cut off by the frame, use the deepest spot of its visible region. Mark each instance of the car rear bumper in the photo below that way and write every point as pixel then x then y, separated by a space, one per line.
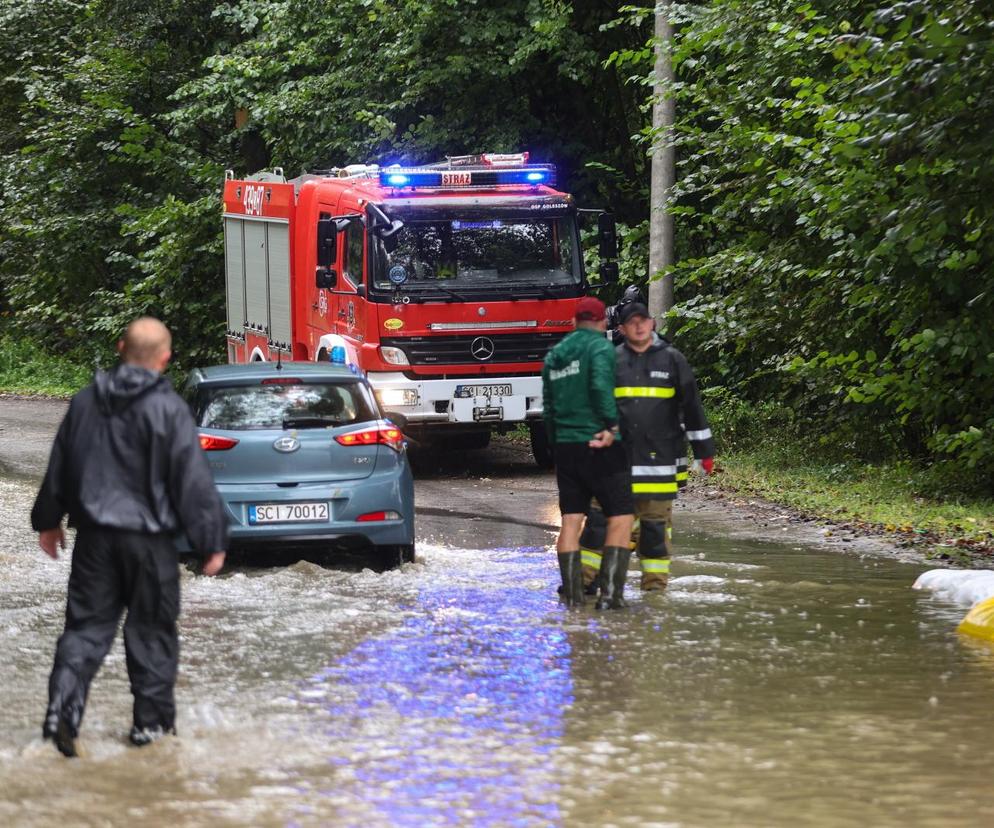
pixel 388 491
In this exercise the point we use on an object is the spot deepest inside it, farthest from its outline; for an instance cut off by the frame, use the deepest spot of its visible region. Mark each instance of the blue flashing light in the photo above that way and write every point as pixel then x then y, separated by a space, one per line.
pixel 444 179
pixel 459 224
pixel 410 177
pixel 337 355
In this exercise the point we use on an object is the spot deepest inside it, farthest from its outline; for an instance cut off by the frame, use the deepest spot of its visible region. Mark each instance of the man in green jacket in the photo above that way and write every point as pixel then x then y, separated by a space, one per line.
pixel 581 417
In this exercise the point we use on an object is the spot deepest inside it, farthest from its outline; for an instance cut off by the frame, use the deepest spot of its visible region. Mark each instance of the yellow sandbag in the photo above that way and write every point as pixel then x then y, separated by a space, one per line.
pixel 979 621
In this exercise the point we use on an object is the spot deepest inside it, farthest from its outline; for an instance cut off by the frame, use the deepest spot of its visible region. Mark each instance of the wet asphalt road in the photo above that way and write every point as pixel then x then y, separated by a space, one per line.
pixel 775 683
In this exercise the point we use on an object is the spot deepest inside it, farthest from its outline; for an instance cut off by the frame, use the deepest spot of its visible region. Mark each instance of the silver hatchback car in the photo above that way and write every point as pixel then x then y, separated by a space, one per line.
pixel 304 461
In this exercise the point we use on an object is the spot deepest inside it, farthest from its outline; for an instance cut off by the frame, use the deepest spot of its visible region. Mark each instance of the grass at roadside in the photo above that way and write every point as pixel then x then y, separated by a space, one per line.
pixel 909 503
pixel 27 369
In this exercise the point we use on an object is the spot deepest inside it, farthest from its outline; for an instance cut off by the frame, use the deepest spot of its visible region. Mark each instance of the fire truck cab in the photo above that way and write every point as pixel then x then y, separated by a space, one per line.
pixel 445 284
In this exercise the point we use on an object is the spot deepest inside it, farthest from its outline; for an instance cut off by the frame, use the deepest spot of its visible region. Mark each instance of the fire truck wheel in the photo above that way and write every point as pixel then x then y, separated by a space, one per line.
pixel 541 450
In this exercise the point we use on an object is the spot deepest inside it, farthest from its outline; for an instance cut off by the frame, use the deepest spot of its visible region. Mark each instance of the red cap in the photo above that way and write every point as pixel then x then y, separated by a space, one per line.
pixel 589 309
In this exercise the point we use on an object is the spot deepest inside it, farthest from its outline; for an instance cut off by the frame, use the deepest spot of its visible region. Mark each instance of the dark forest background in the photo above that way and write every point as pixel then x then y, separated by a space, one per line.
pixel 835 169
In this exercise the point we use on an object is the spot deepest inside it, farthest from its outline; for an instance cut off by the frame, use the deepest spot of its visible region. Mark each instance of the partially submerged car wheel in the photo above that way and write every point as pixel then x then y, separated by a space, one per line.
pixel 390 557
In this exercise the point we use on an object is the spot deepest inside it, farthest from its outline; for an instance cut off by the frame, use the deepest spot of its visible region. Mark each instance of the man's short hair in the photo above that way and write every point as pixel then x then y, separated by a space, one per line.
pixel 144 341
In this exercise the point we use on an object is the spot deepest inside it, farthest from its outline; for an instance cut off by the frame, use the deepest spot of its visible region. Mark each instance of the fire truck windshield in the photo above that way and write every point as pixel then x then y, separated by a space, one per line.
pixel 462 257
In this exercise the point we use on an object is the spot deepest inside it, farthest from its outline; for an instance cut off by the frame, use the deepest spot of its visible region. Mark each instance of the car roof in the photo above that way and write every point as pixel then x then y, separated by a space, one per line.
pixel 251 372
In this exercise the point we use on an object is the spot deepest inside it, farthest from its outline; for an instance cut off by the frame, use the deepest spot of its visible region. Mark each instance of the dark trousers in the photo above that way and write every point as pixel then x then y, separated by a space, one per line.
pixel 114 570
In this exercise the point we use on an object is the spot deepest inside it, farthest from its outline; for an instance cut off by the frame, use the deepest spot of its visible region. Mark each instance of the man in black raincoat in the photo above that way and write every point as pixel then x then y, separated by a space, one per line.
pixel 127 469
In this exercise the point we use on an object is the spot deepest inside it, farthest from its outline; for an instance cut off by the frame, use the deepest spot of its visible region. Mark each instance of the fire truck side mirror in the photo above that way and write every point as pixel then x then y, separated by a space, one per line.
pixel 609 272
pixel 385 227
pixel 327 242
pixel 607 236
pixel 389 235
pixel 325 277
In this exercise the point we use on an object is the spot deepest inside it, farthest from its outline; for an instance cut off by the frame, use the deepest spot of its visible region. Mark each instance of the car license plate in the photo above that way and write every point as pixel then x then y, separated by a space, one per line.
pixel 287 512
pixel 463 391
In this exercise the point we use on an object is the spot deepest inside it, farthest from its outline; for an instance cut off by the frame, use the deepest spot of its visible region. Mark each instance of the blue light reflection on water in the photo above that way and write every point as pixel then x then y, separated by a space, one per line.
pixel 453 717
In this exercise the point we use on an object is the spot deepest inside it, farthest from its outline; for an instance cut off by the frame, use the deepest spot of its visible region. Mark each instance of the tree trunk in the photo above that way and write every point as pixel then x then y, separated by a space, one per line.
pixel 663 167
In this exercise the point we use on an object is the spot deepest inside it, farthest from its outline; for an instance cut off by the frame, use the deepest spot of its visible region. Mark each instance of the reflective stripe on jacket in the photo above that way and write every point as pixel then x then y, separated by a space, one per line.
pixel 660 410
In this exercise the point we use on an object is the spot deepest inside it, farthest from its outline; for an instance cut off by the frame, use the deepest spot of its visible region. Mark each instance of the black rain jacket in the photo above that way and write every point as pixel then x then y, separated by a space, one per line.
pixel 660 410
pixel 127 456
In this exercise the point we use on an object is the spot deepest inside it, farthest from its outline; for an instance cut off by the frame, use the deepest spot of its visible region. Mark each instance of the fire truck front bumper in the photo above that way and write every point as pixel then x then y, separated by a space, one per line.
pixel 468 400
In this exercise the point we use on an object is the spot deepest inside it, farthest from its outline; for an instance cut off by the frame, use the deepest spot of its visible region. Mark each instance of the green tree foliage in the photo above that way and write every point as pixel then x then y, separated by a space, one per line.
pixel 123 116
pixel 834 217
pixel 102 207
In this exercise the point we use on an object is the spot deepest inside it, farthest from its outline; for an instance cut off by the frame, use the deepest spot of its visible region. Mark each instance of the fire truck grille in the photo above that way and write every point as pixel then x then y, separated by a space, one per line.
pixel 474 349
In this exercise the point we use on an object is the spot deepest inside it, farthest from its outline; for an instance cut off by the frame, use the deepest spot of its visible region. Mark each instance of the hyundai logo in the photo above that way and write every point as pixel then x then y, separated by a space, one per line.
pixel 482 348
pixel 287 444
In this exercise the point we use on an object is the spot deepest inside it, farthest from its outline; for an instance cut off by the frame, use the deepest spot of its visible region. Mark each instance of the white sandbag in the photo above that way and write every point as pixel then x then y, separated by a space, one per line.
pixel 962 586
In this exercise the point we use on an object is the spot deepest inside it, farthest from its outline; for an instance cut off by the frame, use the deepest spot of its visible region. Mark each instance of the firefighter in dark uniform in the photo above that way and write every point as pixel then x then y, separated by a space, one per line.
pixel 660 411
pixel 127 468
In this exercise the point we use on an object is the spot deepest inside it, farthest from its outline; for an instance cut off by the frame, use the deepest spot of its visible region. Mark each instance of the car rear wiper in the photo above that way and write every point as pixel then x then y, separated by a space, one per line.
pixel 312 421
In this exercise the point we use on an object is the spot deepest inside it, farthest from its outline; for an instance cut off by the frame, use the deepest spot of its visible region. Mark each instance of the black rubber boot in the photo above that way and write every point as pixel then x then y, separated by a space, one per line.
pixel 572 572
pixel 614 571
pixel 140 737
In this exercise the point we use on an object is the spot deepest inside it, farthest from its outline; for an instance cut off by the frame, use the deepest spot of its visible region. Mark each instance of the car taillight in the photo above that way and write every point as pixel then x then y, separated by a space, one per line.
pixel 211 442
pixel 375 516
pixel 387 435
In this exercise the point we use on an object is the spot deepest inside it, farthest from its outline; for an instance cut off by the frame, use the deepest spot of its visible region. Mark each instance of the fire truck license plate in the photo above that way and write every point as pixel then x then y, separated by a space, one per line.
pixel 463 391
pixel 287 512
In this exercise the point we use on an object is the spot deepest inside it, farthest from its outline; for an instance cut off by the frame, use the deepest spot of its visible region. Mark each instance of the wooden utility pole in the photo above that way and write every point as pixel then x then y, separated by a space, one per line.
pixel 663 166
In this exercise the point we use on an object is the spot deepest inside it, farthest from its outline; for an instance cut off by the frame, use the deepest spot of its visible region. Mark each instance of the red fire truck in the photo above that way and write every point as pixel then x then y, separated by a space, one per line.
pixel 445 284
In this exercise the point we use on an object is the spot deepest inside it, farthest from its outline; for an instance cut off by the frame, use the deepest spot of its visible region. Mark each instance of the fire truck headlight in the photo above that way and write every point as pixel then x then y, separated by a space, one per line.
pixel 390 397
pixel 394 356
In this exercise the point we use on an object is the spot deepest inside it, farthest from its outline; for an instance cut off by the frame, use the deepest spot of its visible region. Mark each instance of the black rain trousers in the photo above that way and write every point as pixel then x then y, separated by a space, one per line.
pixel 114 570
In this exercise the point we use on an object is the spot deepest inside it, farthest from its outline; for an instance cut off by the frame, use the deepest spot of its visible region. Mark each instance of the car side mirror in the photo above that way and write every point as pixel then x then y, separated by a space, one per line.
pixel 325 277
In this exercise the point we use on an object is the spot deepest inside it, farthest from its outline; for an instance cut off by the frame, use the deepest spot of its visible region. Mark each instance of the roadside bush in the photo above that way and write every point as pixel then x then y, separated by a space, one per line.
pixel 740 425
pixel 26 367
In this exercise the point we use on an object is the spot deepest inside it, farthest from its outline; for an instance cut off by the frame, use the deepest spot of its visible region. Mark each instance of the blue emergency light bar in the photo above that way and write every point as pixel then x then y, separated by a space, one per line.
pixel 444 179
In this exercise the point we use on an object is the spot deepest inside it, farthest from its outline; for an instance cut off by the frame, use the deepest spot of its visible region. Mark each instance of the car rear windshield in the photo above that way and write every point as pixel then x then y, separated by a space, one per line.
pixel 284 405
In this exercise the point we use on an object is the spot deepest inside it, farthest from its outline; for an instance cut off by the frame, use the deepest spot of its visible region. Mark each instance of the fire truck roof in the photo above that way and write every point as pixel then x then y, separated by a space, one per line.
pixel 496 173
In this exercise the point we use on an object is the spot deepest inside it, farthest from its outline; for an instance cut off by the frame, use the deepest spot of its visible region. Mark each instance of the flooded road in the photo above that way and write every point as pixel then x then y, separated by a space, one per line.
pixel 775 683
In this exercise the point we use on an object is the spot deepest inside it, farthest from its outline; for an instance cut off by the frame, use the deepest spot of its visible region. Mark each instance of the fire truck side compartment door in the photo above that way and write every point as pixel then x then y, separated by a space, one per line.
pixel 278 246
pixel 234 274
pixel 256 265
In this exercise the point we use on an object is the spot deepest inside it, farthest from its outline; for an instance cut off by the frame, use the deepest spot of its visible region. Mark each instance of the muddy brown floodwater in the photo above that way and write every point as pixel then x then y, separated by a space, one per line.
pixel 776 683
